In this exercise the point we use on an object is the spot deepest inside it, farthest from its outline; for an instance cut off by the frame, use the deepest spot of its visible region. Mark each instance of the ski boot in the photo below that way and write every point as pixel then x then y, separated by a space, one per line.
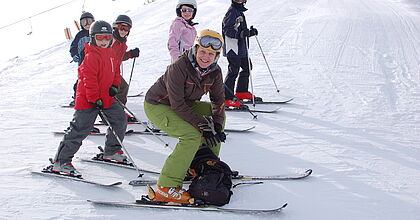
pixel 247 96
pixel 66 169
pixel 170 194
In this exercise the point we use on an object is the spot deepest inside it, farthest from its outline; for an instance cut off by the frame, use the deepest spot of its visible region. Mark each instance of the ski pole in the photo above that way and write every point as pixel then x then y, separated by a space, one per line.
pixel 250 112
pixel 249 70
pixel 145 126
pixel 266 63
pixel 119 140
pixel 131 75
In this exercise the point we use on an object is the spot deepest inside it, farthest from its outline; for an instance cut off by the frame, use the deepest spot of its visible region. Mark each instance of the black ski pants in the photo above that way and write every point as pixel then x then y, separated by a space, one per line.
pixel 235 64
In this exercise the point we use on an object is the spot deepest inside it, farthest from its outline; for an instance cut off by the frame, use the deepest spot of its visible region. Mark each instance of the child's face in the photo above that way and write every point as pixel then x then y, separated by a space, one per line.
pixel 123 29
pixel 103 40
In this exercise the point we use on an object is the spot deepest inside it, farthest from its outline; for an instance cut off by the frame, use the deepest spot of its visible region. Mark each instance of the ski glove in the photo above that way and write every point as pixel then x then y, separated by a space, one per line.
pixel 113 91
pixel 76 58
pixel 220 135
pixel 134 52
pixel 244 33
pixel 211 137
pixel 253 31
pixel 98 104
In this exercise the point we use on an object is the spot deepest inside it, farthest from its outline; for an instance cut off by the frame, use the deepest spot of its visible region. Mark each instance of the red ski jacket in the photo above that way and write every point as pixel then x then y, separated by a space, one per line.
pixel 98 72
pixel 120 48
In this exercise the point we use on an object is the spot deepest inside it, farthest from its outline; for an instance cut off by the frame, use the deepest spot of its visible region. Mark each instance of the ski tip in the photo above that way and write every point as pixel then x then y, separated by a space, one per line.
pixel 308 172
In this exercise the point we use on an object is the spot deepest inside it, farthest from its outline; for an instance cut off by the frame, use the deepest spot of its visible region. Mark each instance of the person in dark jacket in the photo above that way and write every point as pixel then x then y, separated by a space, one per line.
pixel 78 44
pixel 236 35
pixel 99 78
pixel 173 105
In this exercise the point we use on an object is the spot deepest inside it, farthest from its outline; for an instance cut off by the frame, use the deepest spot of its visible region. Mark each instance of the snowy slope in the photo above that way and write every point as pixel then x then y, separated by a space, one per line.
pixel 352 66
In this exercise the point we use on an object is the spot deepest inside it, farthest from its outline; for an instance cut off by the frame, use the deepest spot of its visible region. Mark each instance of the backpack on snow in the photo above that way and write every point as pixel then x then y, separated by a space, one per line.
pixel 213 181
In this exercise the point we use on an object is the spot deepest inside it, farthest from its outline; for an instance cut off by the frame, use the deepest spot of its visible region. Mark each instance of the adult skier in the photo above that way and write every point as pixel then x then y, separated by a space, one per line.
pixel 182 31
pixel 173 104
pixel 236 35
pixel 99 75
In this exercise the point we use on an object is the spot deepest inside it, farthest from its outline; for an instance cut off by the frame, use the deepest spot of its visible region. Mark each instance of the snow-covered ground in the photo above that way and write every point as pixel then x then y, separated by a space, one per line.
pixel 353 67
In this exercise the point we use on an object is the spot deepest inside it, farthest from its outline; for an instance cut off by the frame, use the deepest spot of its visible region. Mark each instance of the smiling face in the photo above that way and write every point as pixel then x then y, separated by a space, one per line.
pixel 186 12
pixel 205 57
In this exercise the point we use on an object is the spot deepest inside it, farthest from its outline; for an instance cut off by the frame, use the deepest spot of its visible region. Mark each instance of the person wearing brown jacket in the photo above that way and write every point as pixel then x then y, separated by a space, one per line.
pixel 173 105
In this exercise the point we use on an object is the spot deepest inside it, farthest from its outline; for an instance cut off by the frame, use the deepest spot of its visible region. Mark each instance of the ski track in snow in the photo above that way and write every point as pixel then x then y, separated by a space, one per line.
pixel 353 68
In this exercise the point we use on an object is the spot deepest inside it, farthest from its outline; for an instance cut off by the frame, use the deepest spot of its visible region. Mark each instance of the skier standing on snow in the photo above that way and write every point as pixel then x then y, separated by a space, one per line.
pixel 182 31
pixel 173 105
pixel 121 30
pixel 99 75
pixel 78 44
pixel 236 35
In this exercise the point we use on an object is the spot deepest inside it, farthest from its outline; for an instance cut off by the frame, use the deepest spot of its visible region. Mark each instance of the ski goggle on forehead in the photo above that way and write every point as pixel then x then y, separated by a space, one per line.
pixel 100 37
pixel 86 21
pixel 123 27
pixel 209 41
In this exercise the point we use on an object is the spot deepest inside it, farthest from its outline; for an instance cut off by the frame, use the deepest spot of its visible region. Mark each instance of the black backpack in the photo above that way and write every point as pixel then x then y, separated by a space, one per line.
pixel 213 181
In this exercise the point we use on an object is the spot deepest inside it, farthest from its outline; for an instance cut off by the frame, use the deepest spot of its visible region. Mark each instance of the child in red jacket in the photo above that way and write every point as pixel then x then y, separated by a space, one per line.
pixel 99 80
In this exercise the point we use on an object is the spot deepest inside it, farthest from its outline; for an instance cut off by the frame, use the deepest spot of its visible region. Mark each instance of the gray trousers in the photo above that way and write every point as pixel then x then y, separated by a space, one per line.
pixel 122 94
pixel 82 123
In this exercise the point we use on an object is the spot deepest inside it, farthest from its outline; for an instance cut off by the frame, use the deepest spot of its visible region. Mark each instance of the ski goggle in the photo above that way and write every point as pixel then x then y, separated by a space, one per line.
pixel 187 10
pixel 86 21
pixel 100 37
pixel 209 41
pixel 123 27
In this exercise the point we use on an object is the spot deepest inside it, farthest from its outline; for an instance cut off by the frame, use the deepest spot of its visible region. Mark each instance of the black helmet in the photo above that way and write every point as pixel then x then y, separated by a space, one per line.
pixel 123 19
pixel 239 2
pixel 99 27
pixel 86 15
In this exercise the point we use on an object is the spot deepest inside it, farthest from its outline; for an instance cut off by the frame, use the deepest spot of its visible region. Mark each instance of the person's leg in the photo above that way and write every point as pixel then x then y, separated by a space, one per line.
pixel 177 164
pixel 79 129
pixel 233 71
pixel 118 121
pixel 122 94
pixel 243 79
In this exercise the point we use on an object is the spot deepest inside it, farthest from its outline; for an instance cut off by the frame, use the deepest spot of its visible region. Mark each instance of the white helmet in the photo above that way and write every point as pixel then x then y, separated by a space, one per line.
pixel 187 2
pixel 190 3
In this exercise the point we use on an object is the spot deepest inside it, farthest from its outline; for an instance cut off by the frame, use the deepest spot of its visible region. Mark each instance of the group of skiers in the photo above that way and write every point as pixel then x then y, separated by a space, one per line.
pixel 172 103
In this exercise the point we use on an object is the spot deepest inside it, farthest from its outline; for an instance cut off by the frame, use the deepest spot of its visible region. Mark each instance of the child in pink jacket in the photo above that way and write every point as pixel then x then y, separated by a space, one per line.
pixel 182 32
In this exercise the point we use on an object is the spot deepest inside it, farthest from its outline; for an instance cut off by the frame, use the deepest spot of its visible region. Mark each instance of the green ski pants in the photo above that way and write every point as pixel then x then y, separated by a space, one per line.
pixel 190 139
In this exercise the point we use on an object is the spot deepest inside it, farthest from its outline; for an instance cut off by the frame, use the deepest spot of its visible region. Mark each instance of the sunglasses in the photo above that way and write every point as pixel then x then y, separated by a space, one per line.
pixel 123 27
pixel 187 10
pixel 100 37
pixel 208 41
pixel 86 21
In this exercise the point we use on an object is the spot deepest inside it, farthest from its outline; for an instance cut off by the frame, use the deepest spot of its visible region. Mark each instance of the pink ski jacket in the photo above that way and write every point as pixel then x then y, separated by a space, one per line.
pixel 181 37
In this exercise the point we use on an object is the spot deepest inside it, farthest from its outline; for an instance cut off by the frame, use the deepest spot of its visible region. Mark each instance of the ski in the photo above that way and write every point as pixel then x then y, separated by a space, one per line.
pixel 252 110
pixel 247 101
pixel 145 202
pixel 136 95
pixel 46 172
pixel 240 177
pixel 127 166
pixel 129 132
pixel 67 106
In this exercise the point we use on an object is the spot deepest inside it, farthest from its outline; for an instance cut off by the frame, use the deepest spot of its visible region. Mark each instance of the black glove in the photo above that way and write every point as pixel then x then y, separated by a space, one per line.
pixel 244 33
pixel 98 104
pixel 113 90
pixel 220 135
pixel 253 31
pixel 207 129
pixel 76 58
pixel 134 52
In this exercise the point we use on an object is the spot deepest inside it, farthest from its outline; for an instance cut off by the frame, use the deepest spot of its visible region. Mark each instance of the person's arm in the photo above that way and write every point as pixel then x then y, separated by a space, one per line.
pixel 89 71
pixel 174 38
pixel 217 98
pixel 230 24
